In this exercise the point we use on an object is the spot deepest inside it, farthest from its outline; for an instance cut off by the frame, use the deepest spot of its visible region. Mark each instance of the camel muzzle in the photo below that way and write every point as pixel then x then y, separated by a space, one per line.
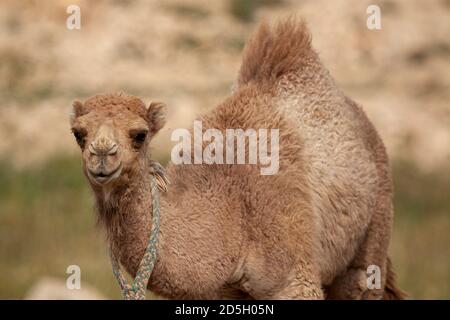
pixel 102 176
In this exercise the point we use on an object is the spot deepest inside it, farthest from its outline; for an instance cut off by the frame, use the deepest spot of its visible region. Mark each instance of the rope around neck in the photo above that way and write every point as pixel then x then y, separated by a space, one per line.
pixel 137 290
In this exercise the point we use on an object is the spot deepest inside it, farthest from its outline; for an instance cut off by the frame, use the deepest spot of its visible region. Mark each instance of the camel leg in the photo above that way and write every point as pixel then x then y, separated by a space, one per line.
pixel 353 283
pixel 303 284
pixel 301 288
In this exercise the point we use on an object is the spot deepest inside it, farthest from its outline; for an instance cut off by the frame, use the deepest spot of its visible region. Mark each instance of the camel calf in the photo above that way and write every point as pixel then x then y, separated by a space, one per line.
pixel 310 231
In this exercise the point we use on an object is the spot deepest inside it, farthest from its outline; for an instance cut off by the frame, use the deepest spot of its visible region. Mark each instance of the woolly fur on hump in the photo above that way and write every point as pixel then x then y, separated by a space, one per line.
pixel 275 51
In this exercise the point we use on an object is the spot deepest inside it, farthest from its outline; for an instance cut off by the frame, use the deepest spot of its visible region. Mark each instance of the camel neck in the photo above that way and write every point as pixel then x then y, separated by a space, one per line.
pixel 127 217
pixel 126 214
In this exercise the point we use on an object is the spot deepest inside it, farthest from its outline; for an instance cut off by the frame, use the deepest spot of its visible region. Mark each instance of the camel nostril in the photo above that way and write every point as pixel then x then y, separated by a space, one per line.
pixel 103 151
pixel 92 149
pixel 113 150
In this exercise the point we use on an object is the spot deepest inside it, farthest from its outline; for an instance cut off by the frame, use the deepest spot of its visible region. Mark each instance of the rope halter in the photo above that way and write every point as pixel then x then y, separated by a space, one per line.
pixel 137 290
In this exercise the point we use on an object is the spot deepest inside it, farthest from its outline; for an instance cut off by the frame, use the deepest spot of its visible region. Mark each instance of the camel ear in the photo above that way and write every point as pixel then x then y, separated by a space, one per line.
pixel 77 110
pixel 156 116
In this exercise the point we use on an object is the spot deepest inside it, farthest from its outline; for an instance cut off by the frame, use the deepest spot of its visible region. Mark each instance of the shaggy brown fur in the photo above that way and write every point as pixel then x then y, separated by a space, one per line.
pixel 308 232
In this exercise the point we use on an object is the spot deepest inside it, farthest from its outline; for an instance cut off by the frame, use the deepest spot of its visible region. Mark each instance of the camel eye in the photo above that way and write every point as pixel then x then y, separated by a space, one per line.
pixel 138 137
pixel 80 137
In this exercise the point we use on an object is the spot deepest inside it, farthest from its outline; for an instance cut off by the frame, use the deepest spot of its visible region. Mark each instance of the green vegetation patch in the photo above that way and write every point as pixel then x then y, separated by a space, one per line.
pixel 244 10
pixel 47 222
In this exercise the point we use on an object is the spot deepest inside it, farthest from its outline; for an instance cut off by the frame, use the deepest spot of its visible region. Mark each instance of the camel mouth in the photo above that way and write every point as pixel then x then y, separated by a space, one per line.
pixel 102 177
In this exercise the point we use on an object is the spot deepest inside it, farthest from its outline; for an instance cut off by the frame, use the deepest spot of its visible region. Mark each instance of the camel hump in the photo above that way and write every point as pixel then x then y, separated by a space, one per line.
pixel 274 51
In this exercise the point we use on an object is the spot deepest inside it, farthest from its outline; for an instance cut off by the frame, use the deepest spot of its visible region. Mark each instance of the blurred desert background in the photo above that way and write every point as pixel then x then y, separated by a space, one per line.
pixel 187 53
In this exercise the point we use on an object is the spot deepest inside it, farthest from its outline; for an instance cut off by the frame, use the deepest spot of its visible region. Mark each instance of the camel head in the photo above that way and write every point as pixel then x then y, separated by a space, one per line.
pixel 113 132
